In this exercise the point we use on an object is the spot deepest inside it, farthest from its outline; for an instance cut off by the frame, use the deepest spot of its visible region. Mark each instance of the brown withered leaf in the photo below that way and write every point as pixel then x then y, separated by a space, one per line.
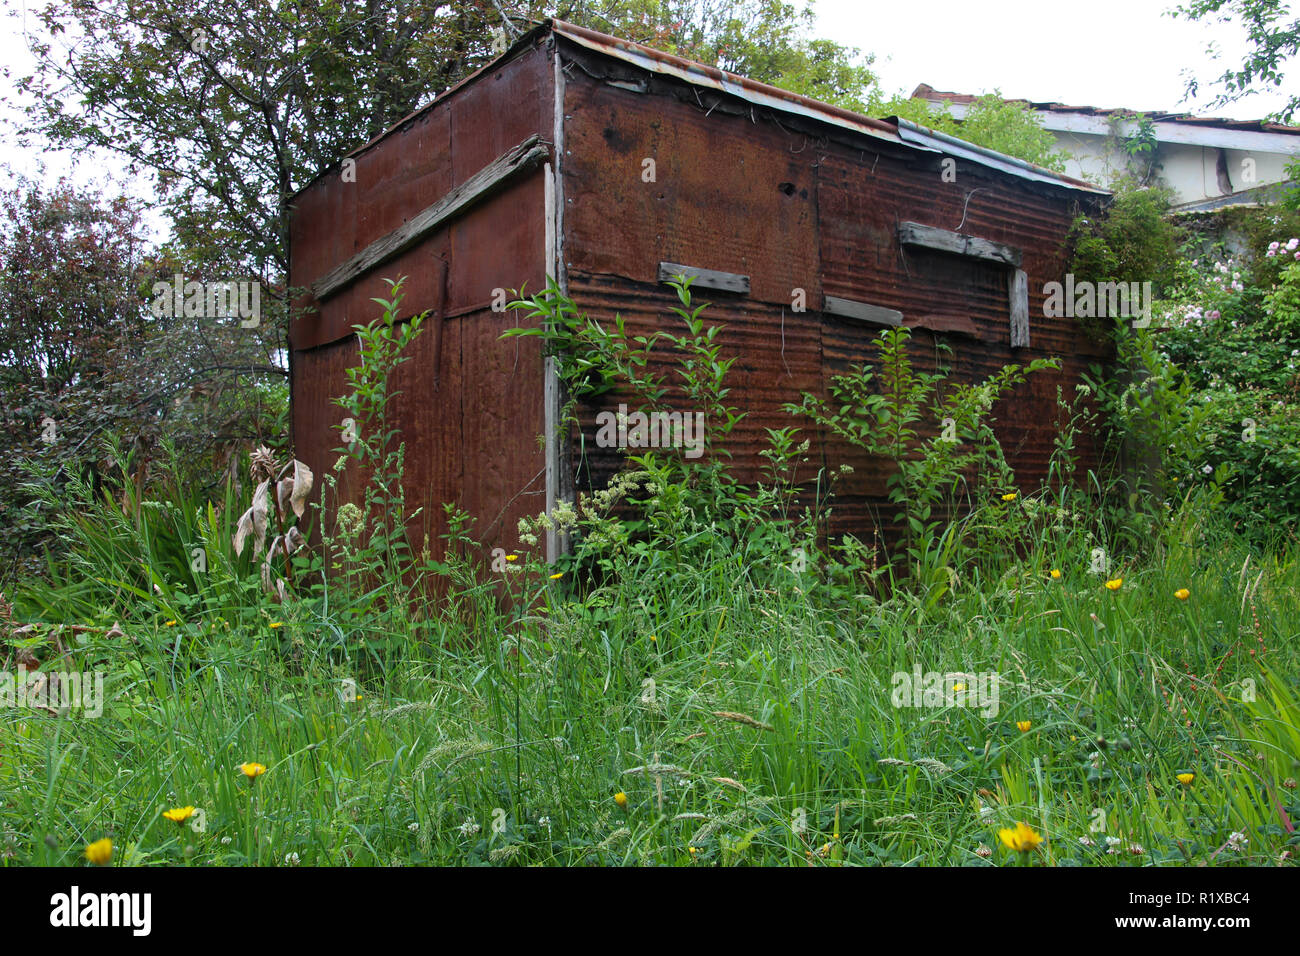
pixel 271 552
pixel 253 521
pixel 303 480
pixel 283 489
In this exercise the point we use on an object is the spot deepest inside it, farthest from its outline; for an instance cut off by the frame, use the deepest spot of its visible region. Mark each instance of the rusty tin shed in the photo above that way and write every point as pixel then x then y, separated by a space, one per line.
pixel 536 166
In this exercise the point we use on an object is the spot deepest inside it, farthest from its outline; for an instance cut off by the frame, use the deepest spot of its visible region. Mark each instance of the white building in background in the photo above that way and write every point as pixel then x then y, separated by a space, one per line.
pixel 1209 162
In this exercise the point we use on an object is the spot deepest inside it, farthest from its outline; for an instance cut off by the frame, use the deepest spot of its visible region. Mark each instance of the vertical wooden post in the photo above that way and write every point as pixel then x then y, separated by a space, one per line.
pixel 1019 309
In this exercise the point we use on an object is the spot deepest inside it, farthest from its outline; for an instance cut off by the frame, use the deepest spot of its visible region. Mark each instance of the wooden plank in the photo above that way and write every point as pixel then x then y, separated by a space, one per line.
pixel 551 404
pixel 705 278
pixel 944 240
pixel 1019 309
pixel 559 450
pixel 479 186
pixel 951 324
pixel 864 311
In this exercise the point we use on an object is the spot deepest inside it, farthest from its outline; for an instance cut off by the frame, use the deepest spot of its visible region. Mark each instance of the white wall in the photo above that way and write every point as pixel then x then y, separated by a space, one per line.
pixel 1190 170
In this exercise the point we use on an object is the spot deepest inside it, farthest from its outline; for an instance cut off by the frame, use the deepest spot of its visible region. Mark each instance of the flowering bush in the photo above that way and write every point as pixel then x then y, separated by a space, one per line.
pixel 1232 333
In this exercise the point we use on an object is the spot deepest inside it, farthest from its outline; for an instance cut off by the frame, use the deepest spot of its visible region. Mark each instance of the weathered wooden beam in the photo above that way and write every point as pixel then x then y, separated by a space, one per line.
pixel 950 323
pixel 705 278
pixel 482 184
pixel 864 311
pixel 943 240
pixel 1019 309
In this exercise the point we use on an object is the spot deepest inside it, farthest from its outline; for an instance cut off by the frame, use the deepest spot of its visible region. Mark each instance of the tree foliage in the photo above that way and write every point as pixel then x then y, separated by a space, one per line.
pixel 1134 240
pixel 1274 37
pixel 84 363
pixel 1004 125
pixel 232 108
pixel 764 40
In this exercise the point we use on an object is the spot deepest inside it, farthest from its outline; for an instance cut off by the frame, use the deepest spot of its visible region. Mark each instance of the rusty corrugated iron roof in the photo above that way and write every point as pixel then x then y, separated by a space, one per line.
pixel 771 97
pixel 899 132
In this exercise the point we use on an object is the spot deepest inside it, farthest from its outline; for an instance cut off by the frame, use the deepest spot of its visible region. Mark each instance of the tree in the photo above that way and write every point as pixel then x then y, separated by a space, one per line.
pixel 1004 125
pixel 68 265
pixel 234 107
pixel 764 40
pixel 1274 40
pixel 84 360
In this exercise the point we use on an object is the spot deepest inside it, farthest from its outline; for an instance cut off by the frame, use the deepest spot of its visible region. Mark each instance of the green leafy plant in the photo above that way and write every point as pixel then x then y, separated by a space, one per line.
pixel 882 410
pixel 373 450
pixel 600 363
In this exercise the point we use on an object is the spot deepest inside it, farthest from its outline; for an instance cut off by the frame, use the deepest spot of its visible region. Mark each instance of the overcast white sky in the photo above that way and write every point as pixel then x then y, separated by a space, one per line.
pixel 1109 53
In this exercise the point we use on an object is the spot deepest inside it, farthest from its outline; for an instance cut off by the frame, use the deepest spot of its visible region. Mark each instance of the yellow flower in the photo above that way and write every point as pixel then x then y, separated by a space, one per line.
pixel 1186 779
pixel 1022 839
pixel 1024 725
pixel 1056 575
pixel 621 799
pixel 100 852
pixel 275 624
pixel 653 638
pixel 252 770
pixel 1115 584
pixel 556 577
pixel 958 687
pixel 169 624
pixel 179 814
pixel 1009 496
pixel 1182 594
pixel 512 557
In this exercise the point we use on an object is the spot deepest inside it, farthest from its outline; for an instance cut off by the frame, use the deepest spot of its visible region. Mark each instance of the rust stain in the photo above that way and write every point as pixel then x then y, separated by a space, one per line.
pixel 801 197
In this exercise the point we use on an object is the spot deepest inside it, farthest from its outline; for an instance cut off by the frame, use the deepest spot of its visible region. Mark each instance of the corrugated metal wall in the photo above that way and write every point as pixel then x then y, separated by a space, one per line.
pixel 470 409
pixel 793 204
pixel 737 192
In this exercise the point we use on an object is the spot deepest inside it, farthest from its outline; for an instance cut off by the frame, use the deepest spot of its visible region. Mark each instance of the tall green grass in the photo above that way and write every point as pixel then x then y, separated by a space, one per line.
pixel 743 709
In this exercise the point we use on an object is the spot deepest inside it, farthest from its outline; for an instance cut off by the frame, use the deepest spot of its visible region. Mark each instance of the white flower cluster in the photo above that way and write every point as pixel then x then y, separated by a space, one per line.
pixel 591 514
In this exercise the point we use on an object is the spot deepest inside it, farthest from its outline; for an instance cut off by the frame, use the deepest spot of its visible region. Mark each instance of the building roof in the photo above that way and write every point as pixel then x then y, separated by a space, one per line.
pixel 762 94
pixel 901 132
pixel 926 92
pixel 1212 131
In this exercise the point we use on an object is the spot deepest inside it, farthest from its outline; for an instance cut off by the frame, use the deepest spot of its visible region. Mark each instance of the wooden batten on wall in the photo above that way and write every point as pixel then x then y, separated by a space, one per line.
pixel 863 311
pixel 705 278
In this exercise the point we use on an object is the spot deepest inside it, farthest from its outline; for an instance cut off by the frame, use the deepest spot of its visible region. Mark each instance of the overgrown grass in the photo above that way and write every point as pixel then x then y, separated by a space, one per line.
pixel 747 718
pixel 696 686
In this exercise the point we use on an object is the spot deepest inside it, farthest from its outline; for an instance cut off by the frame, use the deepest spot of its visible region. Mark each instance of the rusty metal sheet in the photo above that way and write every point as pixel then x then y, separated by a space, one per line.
pixel 469 405
pixel 860 204
pixel 732 192
pixel 697 74
pixel 759 94
pixel 727 195
pixel 413 171
pixel 416 165
pixel 708 203
pixel 469 420
pixel 913 133
pixel 430 419
pixel 778 356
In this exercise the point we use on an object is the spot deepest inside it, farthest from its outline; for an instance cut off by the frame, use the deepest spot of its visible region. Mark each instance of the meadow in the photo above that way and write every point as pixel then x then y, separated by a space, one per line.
pixel 1042 679
pixel 701 719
